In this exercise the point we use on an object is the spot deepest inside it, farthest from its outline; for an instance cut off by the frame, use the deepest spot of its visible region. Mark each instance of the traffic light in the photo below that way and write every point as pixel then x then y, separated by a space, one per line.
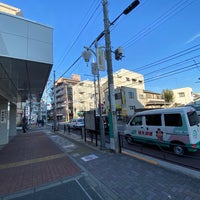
pixel 118 53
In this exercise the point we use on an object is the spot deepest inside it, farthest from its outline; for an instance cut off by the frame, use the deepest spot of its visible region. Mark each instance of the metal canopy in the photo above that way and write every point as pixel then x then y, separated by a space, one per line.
pixel 22 79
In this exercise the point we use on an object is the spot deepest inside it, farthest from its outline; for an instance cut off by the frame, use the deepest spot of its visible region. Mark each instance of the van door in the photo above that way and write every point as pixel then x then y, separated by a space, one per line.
pixel 175 127
pixel 136 125
pixel 153 130
pixel 194 127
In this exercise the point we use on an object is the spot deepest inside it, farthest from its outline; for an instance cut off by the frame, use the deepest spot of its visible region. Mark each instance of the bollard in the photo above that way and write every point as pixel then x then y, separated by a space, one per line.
pixel 64 128
pixel 68 129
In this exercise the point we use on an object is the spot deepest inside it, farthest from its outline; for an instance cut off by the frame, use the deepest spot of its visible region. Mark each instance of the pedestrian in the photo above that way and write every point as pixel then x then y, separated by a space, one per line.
pixel 38 122
pixel 42 122
pixel 24 124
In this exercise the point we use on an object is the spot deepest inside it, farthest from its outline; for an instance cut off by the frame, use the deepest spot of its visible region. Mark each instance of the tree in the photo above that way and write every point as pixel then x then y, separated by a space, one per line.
pixel 168 95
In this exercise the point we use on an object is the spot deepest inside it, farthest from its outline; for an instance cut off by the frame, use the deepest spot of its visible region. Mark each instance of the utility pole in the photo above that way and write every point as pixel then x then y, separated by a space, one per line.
pixel 114 140
pixel 112 112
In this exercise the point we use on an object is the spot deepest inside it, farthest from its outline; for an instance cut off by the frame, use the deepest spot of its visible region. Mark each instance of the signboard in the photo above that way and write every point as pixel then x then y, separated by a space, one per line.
pixel 100 59
pixel 89 120
pixel 95 70
pixel 3 116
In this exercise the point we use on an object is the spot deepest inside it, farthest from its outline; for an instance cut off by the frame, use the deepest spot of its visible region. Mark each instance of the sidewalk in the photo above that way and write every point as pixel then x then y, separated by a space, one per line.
pixel 40 160
pixel 131 178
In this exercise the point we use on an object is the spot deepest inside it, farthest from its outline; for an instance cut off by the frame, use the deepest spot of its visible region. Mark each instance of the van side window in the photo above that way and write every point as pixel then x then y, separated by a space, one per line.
pixel 193 118
pixel 153 120
pixel 136 121
pixel 173 119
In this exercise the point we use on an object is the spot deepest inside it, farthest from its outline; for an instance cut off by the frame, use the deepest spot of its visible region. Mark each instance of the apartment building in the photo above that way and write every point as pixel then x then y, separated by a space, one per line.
pixel 183 96
pixel 126 78
pixel 62 98
pixel 74 96
pixel 128 100
pixel 85 97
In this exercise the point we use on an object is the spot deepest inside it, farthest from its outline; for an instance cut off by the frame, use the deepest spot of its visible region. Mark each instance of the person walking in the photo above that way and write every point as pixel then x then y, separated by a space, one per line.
pixel 24 124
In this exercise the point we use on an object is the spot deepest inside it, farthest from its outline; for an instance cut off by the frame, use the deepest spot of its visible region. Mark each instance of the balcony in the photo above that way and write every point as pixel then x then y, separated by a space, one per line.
pixel 155 102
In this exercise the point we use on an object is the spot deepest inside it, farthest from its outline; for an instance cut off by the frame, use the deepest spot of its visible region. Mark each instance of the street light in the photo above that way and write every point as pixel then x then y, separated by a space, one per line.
pixel 96 67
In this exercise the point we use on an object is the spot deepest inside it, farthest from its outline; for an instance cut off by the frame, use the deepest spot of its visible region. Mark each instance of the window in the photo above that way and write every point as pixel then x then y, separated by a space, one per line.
pixel 132 107
pixel 127 79
pixel 136 121
pixel 131 95
pixel 173 119
pixel 140 82
pixel 193 118
pixel 149 96
pixel 153 120
pixel 181 94
pixel 141 96
pixel 118 96
pixel 134 80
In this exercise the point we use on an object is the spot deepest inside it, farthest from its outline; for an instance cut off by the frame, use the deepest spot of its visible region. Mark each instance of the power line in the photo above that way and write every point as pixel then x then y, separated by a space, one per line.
pixel 78 36
pixel 178 70
pixel 173 72
pixel 175 9
pixel 171 57
pixel 164 18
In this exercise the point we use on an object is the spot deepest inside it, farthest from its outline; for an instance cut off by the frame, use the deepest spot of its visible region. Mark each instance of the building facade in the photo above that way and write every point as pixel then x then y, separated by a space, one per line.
pixel 183 96
pixel 128 100
pixel 24 71
pixel 62 98
pixel 130 96
pixel 85 97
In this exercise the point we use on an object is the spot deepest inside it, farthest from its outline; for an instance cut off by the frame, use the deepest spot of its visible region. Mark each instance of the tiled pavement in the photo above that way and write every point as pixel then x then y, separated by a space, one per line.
pixel 30 160
pixel 113 176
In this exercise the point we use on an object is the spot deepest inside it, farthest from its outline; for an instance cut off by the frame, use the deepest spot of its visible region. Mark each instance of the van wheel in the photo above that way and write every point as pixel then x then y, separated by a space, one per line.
pixel 178 149
pixel 129 139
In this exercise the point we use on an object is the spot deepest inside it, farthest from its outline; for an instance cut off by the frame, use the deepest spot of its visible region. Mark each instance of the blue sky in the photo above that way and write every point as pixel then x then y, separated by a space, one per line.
pixel 160 38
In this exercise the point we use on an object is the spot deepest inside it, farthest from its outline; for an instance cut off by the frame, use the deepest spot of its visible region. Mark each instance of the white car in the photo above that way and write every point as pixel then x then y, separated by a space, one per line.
pixel 76 123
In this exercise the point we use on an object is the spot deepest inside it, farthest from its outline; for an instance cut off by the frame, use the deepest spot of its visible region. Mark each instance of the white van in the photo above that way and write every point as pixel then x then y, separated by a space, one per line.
pixel 177 128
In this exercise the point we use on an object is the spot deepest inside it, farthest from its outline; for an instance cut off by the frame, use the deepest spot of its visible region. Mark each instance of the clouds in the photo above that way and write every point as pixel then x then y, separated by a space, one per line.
pixel 193 38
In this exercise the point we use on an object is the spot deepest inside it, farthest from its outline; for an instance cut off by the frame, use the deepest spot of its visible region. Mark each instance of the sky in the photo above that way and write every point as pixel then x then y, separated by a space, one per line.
pixel 160 39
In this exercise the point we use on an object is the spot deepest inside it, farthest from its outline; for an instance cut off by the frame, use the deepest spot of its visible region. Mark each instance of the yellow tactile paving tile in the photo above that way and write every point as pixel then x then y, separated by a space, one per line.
pixel 27 162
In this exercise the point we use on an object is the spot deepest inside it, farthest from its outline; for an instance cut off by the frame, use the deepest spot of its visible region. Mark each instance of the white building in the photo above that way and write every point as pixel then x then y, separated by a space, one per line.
pixel 183 96
pixel 128 100
pixel 84 97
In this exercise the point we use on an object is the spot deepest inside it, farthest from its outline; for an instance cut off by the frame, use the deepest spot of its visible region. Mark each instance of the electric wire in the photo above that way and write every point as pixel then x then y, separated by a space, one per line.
pixel 173 72
pixel 78 35
pixel 175 9
pixel 163 75
pixel 171 12
pixel 171 57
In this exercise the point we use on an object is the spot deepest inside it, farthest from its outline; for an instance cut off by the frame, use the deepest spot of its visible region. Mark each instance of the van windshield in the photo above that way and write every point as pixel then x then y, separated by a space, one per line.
pixel 193 118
